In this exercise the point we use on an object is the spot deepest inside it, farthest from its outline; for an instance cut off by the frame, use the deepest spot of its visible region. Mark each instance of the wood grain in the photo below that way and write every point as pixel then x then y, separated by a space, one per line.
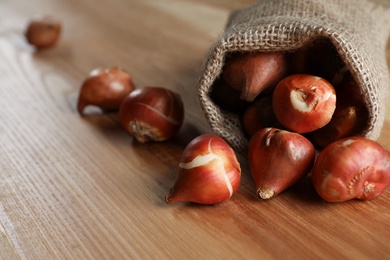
pixel 76 187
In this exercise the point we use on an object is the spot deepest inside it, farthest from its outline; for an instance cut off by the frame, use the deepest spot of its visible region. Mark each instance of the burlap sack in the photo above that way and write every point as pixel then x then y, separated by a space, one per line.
pixel 359 30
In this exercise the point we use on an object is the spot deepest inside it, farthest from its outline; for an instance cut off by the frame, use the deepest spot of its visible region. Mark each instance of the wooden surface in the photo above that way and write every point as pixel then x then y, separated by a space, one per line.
pixel 81 188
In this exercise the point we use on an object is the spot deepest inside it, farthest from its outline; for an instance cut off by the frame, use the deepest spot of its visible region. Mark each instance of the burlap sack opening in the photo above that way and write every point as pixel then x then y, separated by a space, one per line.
pixel 358 29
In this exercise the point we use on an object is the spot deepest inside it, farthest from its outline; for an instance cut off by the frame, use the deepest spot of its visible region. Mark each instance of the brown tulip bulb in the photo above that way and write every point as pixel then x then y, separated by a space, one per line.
pixel 43 31
pixel 152 114
pixel 105 88
pixel 351 168
pixel 208 173
pixel 278 159
pixel 348 119
pixel 343 124
pixel 348 94
pixel 252 73
pixel 304 103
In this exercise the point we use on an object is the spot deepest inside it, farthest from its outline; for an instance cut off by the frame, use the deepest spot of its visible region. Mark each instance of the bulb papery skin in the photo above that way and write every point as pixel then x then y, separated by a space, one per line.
pixel 304 103
pixel 152 114
pixel 253 73
pixel 278 159
pixel 105 88
pixel 343 124
pixel 208 173
pixel 349 118
pixel 351 168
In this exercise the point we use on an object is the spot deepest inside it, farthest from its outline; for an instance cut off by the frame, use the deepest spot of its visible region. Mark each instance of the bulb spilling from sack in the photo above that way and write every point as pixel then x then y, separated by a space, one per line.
pixel 308 91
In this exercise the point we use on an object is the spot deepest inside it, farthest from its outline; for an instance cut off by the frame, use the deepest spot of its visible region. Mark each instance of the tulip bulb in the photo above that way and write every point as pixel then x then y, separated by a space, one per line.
pixel 351 168
pixel 105 88
pixel 208 173
pixel 278 159
pixel 349 118
pixel 152 114
pixel 304 103
pixel 252 73
pixel 343 124
pixel 43 31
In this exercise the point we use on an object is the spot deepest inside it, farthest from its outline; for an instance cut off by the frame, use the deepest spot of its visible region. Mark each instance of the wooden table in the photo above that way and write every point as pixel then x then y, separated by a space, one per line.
pixel 76 187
